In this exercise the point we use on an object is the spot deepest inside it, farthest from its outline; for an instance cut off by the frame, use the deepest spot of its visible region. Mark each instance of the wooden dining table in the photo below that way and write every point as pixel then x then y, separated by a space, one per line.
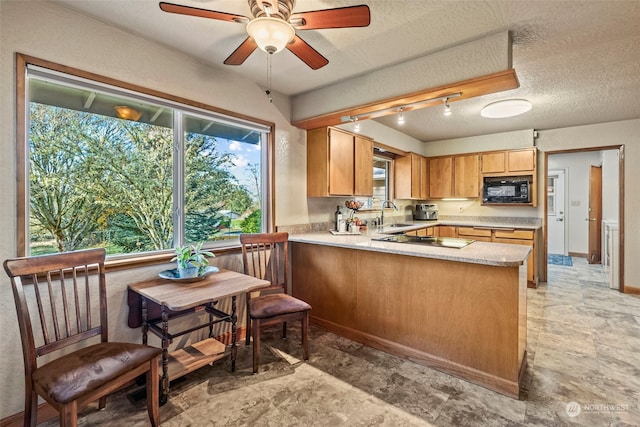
pixel 179 298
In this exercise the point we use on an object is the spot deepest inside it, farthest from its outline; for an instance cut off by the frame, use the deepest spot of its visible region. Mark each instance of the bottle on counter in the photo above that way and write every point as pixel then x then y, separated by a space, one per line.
pixel 338 217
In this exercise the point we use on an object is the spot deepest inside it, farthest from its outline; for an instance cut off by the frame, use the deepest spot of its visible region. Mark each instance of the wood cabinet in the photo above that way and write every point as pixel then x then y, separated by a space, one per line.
pixel 512 236
pixel 446 231
pixel 440 177
pixel 338 163
pixel 454 176
pixel 509 162
pixel 521 237
pixel 466 176
pixel 480 234
pixel 424 232
pixel 411 177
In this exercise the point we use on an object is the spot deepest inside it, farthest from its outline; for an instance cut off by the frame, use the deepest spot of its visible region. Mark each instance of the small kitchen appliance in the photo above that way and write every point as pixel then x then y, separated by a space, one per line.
pixel 425 212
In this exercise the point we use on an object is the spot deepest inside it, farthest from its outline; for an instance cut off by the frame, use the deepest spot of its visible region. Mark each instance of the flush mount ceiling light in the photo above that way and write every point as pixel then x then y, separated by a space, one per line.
pixel 506 108
pixel 270 34
pixel 127 113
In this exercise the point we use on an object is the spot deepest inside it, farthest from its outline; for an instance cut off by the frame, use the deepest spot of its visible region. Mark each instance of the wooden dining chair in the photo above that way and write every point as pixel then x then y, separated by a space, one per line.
pixel 265 256
pixel 61 302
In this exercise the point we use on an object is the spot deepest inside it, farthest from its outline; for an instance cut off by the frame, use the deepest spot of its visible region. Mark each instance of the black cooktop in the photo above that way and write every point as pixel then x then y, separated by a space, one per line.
pixel 446 242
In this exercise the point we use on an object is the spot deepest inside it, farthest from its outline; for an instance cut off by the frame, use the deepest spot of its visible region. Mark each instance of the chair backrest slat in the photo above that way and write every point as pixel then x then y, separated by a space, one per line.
pixel 265 255
pixel 56 296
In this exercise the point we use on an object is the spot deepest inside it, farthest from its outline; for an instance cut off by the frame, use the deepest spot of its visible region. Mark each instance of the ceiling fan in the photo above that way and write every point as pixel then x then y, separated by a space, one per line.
pixel 273 26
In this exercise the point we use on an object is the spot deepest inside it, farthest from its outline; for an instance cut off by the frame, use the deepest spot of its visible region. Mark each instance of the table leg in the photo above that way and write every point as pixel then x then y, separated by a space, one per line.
pixel 164 383
pixel 234 320
pixel 145 323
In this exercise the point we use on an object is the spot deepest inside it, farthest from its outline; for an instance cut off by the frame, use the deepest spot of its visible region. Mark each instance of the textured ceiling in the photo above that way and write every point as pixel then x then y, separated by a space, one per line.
pixel 578 62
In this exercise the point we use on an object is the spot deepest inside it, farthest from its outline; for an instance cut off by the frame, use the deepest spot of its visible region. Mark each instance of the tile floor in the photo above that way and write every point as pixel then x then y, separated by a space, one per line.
pixel 584 369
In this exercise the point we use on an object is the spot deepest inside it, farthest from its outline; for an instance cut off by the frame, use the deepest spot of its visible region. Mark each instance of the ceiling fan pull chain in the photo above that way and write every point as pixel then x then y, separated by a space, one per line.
pixel 268 91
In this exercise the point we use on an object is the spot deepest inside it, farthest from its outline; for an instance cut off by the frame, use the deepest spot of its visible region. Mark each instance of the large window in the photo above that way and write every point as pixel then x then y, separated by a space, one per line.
pixel 134 173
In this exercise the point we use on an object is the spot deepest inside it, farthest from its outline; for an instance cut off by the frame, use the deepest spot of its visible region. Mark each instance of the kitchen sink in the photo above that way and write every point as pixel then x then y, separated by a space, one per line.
pixel 398 225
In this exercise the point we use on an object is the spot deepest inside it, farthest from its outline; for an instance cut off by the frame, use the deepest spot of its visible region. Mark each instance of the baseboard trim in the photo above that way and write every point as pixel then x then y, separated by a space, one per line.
pixel 578 255
pixel 510 388
pixel 631 290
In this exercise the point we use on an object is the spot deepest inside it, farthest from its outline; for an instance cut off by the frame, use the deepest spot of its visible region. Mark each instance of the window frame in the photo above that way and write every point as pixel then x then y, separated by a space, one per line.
pixel 22 154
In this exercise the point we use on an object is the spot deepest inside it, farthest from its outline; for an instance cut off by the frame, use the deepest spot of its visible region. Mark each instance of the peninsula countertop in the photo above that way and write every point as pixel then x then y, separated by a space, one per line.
pixel 496 254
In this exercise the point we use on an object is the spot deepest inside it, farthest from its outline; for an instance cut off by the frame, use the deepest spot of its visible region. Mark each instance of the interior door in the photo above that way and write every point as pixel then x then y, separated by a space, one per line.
pixel 595 214
pixel 556 212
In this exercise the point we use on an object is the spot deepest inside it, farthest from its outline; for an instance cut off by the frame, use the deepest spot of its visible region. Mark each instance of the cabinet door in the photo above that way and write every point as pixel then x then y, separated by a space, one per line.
pixel 403 175
pixel 364 167
pixel 424 178
pixel 341 163
pixel 521 161
pixel 447 231
pixel 441 177
pixel 411 179
pixel 466 176
pixel 493 163
pixel 531 261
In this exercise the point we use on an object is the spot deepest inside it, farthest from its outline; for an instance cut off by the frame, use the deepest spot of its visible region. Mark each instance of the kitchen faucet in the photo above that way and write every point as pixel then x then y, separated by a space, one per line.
pixel 386 203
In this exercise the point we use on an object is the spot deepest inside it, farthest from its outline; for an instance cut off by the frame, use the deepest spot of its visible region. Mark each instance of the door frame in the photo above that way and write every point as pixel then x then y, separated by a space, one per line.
pixel 597 236
pixel 545 171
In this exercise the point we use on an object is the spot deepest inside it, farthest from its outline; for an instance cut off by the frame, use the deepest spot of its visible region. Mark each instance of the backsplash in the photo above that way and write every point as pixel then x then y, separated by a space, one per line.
pixel 494 219
pixel 506 220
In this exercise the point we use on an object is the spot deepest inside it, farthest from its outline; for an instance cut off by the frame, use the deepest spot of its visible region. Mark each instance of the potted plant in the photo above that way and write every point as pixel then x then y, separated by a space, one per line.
pixel 191 260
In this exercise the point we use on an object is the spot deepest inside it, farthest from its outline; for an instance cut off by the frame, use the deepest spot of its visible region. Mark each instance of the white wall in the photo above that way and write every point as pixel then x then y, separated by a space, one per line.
pixel 578 167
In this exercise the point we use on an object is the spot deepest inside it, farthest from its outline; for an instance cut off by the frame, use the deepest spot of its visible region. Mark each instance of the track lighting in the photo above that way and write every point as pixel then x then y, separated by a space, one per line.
pixel 447 108
pixel 401 108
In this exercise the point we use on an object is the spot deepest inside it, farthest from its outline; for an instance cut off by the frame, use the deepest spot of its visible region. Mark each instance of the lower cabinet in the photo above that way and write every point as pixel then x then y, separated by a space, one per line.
pixel 476 233
pixel 512 236
pixel 521 237
pixel 424 232
pixel 447 231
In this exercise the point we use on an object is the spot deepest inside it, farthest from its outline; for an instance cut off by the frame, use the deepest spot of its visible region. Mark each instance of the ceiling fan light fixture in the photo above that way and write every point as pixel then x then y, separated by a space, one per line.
pixel 270 34
pixel 506 108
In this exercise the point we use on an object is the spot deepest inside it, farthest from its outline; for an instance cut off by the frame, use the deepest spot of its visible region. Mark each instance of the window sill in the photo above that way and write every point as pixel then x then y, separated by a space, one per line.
pixel 124 262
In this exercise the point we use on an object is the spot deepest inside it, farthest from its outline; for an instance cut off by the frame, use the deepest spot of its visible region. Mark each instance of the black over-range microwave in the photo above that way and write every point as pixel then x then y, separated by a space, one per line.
pixel 500 190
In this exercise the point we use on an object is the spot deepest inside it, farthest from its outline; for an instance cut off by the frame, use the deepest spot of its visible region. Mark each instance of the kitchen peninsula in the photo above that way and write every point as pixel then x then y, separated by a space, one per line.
pixel 461 311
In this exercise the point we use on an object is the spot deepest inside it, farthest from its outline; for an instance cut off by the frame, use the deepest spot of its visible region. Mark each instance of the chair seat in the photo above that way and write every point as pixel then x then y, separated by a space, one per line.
pixel 69 377
pixel 267 306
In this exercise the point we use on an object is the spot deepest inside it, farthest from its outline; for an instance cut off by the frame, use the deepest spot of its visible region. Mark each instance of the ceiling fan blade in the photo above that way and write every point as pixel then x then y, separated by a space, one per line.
pixel 202 13
pixel 306 53
pixel 242 52
pixel 341 17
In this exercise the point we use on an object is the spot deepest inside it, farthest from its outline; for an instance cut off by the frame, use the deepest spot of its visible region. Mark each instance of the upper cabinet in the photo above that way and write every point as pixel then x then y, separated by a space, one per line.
pixel 454 176
pixel 512 162
pixel 411 177
pixel 339 163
